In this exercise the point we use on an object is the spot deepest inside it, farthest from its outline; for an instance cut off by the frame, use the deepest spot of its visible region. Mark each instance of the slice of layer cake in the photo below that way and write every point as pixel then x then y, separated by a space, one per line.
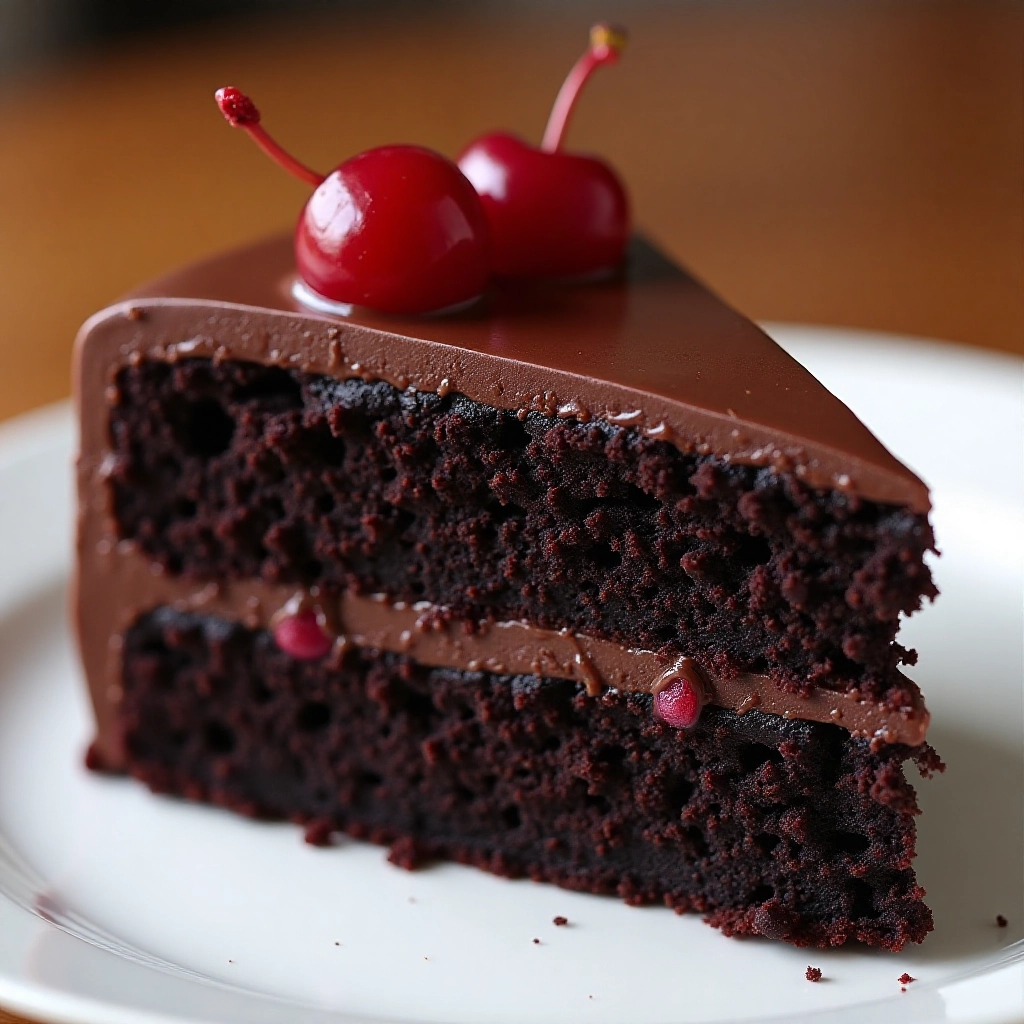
pixel 591 583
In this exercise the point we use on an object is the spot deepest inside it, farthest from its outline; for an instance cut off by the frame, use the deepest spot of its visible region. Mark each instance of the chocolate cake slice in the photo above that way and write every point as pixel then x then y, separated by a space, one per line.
pixel 588 582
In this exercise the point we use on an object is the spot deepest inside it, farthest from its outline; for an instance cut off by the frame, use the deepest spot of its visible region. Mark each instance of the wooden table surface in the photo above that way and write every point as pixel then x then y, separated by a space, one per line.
pixel 848 163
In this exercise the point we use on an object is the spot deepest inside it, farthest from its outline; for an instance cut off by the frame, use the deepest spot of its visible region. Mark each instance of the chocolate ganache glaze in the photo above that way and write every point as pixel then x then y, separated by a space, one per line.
pixel 650 348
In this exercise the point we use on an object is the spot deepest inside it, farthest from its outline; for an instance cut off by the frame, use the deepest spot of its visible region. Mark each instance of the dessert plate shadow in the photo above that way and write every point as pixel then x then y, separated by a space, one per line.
pixel 118 907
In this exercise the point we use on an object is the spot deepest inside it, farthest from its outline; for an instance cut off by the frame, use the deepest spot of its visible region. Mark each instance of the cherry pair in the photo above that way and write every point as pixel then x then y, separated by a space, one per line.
pixel 402 229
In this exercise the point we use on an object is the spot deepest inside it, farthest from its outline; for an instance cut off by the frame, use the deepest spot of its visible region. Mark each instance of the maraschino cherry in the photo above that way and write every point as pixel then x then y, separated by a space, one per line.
pixel 553 213
pixel 398 229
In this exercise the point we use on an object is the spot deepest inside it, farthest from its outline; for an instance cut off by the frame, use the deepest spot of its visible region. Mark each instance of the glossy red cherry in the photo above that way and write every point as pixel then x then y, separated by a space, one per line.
pixel 399 228
pixel 302 637
pixel 552 213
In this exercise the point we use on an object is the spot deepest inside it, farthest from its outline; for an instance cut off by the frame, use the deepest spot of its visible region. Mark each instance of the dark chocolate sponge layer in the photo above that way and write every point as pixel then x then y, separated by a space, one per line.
pixel 239 471
pixel 783 828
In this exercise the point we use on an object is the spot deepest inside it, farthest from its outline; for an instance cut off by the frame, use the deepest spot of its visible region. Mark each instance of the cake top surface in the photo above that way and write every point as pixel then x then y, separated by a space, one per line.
pixel 651 348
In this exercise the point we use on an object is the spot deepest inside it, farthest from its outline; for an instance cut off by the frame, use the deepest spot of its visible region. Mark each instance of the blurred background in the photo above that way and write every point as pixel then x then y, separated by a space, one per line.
pixel 855 162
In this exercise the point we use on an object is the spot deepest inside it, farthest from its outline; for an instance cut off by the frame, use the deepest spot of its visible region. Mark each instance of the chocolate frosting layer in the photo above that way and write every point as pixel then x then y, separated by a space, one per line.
pixel 127 586
pixel 651 348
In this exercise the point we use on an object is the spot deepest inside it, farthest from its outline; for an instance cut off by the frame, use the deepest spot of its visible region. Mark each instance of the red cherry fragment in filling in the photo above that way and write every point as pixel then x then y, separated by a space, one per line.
pixel 301 637
pixel 679 703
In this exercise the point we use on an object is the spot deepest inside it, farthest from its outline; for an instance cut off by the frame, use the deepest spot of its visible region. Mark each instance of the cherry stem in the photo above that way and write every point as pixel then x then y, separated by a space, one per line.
pixel 240 112
pixel 606 44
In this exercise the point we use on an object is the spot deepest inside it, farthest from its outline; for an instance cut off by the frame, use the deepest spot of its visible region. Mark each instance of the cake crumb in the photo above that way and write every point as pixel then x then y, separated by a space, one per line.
pixel 337 943
pixel 905 979
pixel 536 942
pixel 318 832
pixel 813 974
pixel 1001 921
pixel 561 921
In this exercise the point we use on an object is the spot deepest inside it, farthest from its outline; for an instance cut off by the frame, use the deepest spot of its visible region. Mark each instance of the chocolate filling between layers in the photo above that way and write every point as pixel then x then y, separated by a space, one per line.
pixel 137 587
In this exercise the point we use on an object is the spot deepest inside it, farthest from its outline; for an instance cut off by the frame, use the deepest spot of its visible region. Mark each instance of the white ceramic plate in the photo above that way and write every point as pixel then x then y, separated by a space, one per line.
pixel 117 907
